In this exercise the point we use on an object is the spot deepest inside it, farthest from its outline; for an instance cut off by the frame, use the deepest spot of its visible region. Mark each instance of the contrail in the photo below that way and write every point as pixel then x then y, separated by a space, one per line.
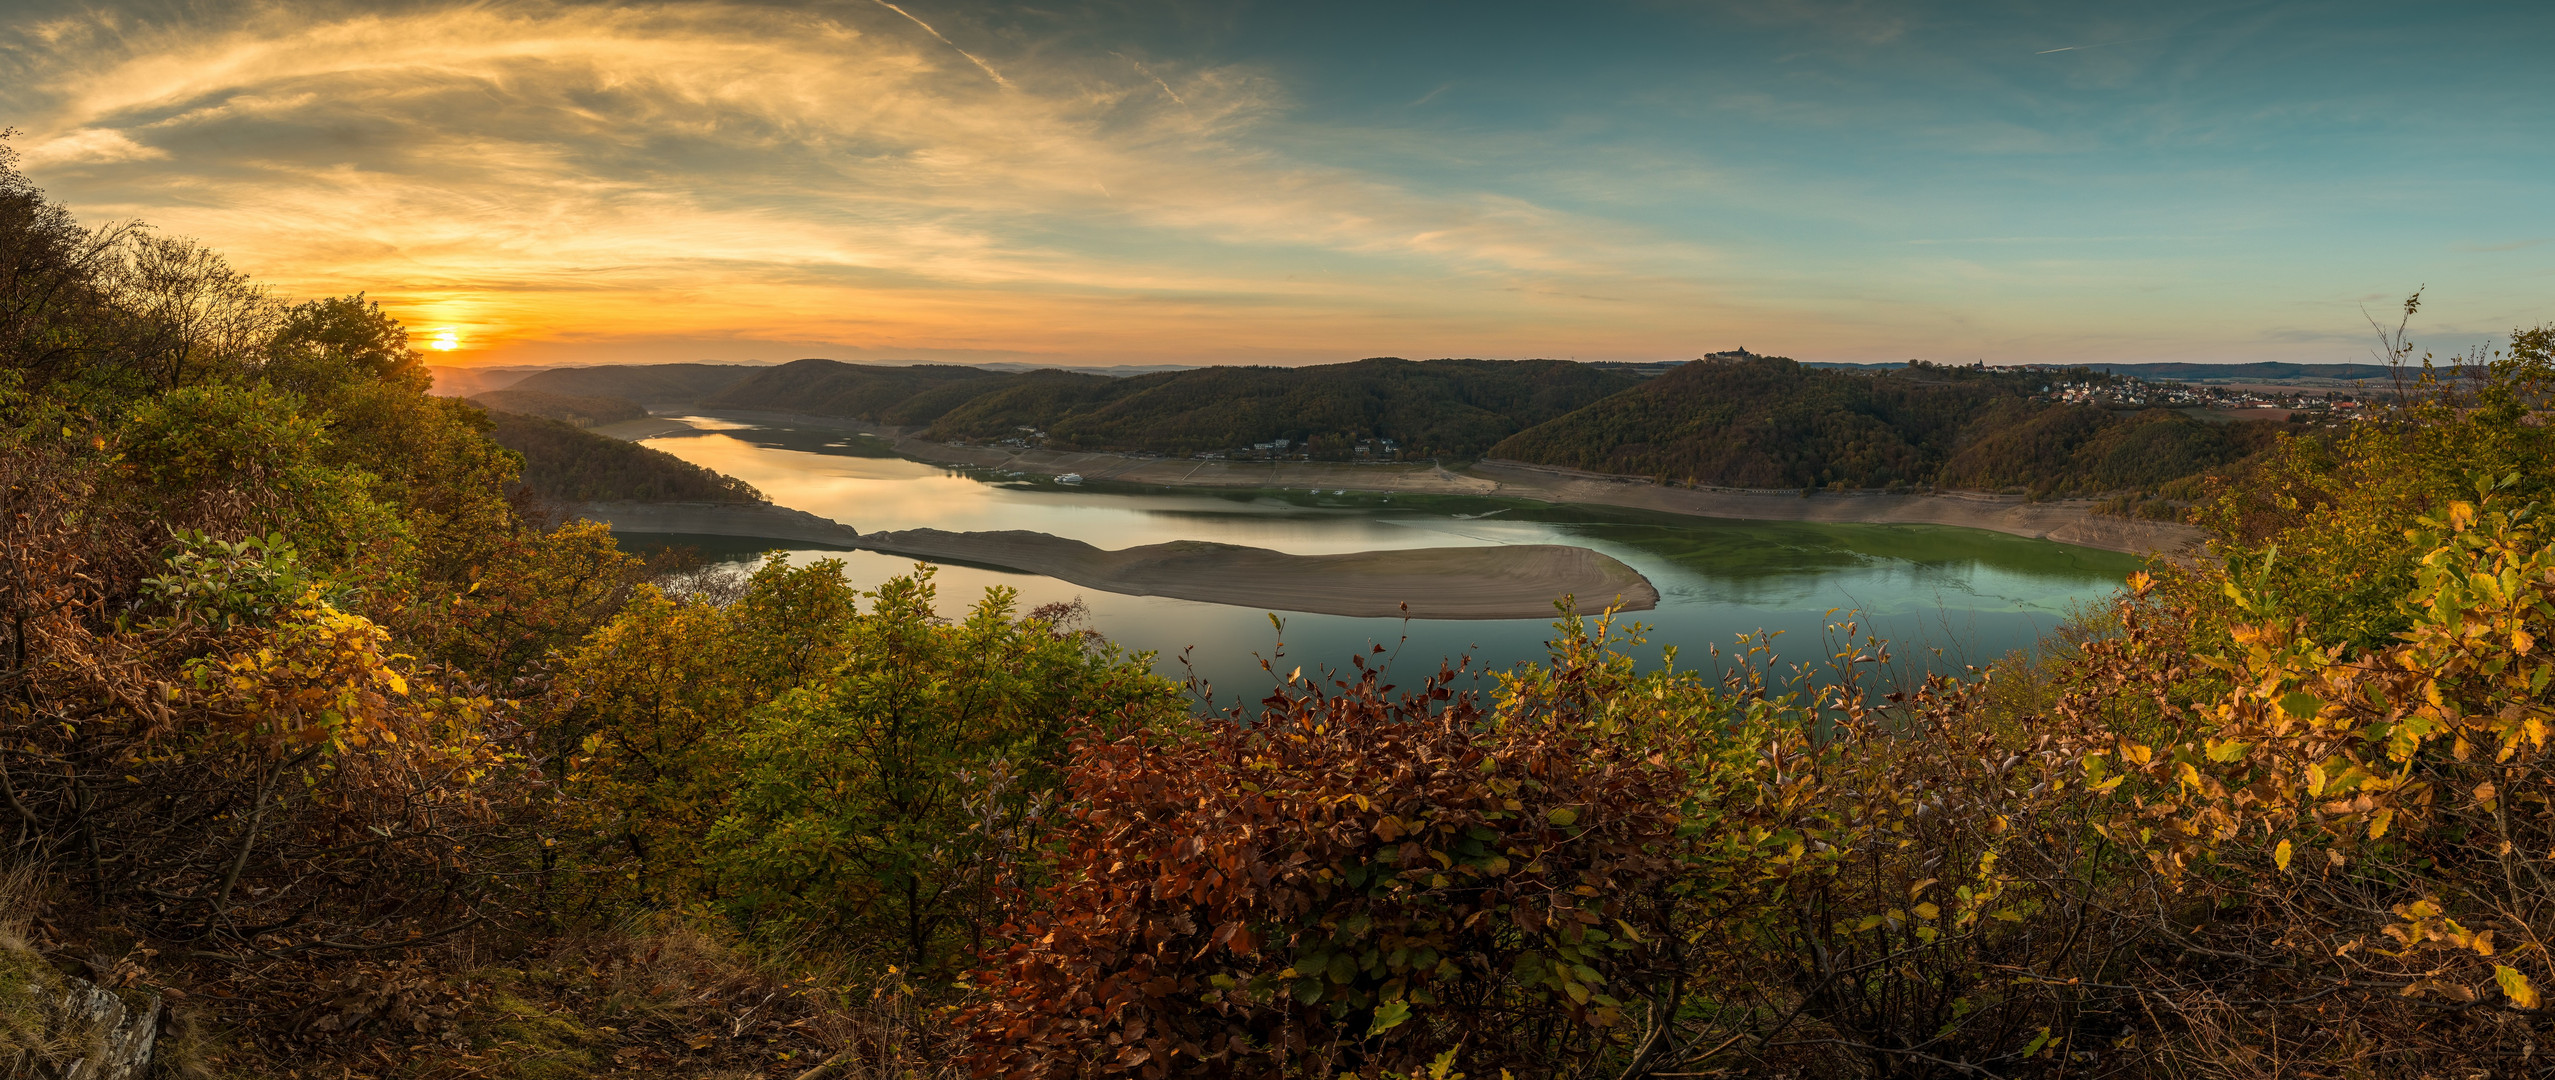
pixel 2063 48
pixel 944 39
pixel 1148 73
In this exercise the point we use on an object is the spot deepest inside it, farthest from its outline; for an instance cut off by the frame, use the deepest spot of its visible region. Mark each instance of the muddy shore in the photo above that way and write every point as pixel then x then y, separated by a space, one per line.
pixel 2065 521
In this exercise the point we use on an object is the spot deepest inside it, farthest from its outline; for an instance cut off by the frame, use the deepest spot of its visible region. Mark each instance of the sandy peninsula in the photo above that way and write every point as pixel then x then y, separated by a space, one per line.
pixel 1506 582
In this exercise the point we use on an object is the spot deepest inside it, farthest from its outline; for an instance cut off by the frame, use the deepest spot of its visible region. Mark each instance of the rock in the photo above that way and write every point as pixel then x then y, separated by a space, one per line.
pixel 80 1031
pixel 119 1038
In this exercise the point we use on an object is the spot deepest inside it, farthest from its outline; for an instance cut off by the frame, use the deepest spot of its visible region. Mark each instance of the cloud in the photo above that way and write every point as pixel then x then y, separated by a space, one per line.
pixel 535 171
pixel 89 146
pixel 2515 245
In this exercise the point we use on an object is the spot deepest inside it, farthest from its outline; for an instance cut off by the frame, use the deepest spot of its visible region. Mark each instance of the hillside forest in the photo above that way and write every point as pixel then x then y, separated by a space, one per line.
pixel 322 753
pixel 1735 420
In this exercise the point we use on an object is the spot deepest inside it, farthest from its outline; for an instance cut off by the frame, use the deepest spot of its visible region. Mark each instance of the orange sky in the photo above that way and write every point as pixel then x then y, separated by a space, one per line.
pixel 556 182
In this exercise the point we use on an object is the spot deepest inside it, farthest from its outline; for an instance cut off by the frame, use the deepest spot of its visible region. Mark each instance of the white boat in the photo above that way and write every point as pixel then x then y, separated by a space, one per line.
pixel 1070 478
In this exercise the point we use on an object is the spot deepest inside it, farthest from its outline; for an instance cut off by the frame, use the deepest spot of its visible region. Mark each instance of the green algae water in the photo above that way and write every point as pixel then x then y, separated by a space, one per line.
pixel 1944 597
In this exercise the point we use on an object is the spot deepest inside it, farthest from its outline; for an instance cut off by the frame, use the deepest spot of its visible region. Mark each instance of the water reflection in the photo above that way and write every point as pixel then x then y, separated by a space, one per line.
pixel 1945 596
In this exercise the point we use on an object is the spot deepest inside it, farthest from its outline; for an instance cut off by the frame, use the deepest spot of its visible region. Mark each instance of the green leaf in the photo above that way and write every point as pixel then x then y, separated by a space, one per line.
pixel 2302 705
pixel 2516 987
pixel 1388 1016
pixel 1562 815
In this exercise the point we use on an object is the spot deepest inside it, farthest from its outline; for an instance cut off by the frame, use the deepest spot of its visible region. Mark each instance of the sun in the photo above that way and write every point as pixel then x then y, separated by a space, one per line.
pixel 445 341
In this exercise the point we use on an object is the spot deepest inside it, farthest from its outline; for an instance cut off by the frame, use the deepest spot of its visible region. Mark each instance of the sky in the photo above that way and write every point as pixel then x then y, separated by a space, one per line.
pixel 1137 182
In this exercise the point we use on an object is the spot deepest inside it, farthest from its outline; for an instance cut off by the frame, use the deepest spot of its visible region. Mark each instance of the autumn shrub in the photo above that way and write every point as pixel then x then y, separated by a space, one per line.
pixel 822 776
pixel 647 717
pixel 225 741
pixel 1350 879
pixel 877 808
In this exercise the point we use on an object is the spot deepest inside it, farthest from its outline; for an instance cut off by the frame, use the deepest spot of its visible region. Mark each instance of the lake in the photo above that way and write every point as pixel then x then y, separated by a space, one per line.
pixel 1944 596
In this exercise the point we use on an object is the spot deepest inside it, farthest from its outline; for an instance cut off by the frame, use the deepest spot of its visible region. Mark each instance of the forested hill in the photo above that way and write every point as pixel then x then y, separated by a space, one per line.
pixel 1434 407
pixel 581 411
pixel 648 384
pixel 1764 421
pixel 1737 420
pixel 565 462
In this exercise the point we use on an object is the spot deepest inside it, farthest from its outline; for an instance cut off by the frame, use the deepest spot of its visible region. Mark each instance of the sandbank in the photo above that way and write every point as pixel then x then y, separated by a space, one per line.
pixel 1504 582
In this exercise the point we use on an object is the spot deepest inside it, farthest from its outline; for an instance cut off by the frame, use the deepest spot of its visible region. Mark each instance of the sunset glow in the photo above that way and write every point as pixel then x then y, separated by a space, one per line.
pixel 712 180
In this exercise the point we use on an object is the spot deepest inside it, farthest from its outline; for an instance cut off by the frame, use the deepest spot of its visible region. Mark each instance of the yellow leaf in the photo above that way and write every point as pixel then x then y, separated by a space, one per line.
pixel 2515 986
pixel 2379 821
pixel 1927 910
pixel 2280 855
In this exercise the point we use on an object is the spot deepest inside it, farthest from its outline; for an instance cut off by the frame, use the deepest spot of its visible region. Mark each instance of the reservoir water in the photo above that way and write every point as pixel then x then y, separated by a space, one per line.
pixel 1943 596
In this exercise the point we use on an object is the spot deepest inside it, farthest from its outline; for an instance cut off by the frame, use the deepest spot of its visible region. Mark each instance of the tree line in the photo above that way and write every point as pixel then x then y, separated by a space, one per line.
pixel 1769 422
pixel 1733 421
pixel 1455 408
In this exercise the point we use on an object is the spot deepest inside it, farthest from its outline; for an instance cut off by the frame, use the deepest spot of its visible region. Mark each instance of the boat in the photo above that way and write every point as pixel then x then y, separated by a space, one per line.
pixel 1070 478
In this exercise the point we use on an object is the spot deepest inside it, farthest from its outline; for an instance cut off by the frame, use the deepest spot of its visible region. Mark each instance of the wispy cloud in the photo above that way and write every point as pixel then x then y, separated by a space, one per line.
pixel 953 46
pixel 1138 180
pixel 538 172
pixel 89 146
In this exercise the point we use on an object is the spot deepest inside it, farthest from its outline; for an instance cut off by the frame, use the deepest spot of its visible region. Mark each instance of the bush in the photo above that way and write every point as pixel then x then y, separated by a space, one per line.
pixel 877 808
pixel 1348 881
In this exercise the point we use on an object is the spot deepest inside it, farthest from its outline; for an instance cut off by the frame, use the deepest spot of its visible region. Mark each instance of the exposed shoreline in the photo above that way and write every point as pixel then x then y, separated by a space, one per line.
pixel 1515 581
pixel 2065 521
pixel 1499 582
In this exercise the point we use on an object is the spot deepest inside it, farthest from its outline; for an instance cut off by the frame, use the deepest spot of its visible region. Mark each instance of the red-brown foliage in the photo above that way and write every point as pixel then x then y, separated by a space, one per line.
pixel 1350 882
